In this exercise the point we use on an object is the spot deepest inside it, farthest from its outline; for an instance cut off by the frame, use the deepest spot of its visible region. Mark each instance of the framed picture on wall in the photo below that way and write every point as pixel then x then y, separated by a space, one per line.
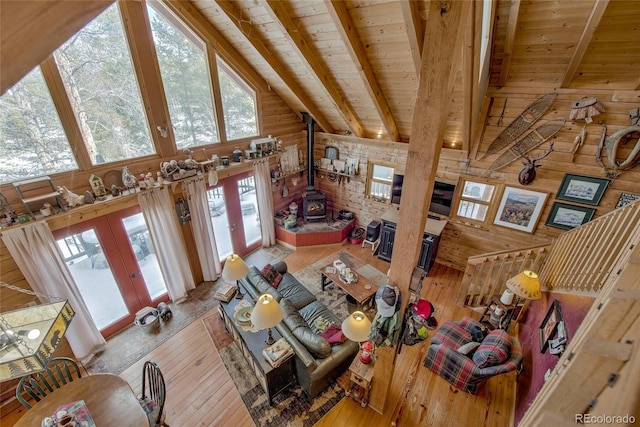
pixel 566 216
pixel 549 325
pixel 582 189
pixel 520 209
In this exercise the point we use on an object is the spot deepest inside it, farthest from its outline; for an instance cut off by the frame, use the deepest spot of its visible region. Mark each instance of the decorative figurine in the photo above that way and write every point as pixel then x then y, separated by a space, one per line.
pixel 128 179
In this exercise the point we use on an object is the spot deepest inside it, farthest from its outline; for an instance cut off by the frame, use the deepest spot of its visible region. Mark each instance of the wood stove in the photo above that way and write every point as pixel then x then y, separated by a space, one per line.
pixel 314 206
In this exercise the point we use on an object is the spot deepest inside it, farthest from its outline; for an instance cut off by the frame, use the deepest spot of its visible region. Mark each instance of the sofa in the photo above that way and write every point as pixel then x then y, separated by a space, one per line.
pixel 467 364
pixel 317 363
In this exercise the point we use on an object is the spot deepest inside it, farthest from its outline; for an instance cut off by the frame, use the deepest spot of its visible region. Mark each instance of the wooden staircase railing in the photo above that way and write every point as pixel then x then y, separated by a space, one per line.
pixel 486 275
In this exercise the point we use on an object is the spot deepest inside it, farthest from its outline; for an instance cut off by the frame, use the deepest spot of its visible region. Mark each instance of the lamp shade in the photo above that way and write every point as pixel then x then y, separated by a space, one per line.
pixel 30 336
pixel 267 313
pixel 234 268
pixel 525 285
pixel 356 327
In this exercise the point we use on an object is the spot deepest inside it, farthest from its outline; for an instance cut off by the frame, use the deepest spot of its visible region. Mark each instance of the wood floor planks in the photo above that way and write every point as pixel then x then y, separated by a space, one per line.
pixel 200 391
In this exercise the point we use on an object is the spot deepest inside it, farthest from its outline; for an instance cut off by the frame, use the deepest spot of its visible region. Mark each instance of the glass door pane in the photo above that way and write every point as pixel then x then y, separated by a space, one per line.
pixel 92 273
pixel 218 210
pixel 140 241
pixel 249 208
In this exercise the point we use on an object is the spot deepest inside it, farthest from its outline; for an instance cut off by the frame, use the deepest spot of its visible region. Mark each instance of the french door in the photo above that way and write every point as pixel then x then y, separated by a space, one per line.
pixel 234 211
pixel 114 265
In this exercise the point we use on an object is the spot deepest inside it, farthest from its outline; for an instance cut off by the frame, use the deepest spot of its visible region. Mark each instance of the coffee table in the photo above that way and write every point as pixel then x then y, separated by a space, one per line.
pixel 362 291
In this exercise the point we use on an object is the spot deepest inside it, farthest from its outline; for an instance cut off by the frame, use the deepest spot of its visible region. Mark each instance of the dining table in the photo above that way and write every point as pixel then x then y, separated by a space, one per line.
pixel 108 398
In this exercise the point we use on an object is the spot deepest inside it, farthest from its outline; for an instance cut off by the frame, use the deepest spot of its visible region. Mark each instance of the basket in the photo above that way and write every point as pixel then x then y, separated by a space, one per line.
pixel 148 319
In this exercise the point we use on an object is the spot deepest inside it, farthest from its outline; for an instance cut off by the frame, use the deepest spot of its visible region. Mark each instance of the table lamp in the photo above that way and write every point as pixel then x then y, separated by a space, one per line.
pixel 357 327
pixel 525 285
pixel 235 269
pixel 266 314
pixel 30 336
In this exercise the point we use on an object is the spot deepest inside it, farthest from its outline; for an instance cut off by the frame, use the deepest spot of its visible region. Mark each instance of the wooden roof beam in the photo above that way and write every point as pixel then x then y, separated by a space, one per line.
pixel 314 64
pixel 415 30
pixel 597 12
pixel 347 30
pixel 512 24
pixel 257 42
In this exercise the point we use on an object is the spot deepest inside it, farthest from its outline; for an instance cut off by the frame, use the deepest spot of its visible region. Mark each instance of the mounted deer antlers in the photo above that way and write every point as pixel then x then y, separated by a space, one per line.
pixel 528 174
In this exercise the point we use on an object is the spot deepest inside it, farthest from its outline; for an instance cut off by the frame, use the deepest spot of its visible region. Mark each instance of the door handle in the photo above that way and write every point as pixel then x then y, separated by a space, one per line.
pixel 134 275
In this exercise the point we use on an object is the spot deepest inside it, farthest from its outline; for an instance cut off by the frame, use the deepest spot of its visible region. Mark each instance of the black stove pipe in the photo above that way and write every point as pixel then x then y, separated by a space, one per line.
pixel 308 120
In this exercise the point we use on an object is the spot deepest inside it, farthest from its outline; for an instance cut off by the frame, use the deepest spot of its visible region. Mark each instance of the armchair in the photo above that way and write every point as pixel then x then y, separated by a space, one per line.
pixel 498 353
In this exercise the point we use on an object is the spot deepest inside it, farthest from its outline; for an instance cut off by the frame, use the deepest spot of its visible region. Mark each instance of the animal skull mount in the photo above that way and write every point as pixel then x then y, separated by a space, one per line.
pixel 528 174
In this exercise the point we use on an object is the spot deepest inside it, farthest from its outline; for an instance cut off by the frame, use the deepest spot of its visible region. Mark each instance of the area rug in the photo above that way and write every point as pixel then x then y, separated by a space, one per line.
pixel 292 407
pixel 333 297
pixel 133 343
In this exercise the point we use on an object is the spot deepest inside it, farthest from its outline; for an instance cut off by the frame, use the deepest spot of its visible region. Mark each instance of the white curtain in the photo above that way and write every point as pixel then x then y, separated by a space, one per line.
pixel 262 176
pixel 37 255
pixel 196 193
pixel 160 216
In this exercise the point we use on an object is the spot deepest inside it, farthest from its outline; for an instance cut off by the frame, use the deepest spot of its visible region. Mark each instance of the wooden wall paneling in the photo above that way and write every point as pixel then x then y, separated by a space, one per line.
pixel 512 25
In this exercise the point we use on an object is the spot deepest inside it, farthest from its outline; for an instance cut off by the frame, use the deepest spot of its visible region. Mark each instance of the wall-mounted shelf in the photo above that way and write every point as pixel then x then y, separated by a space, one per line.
pixel 300 171
pixel 338 175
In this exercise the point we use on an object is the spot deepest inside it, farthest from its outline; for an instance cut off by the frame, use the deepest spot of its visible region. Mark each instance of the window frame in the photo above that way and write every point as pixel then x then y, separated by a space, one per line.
pixel 371 179
pixel 491 204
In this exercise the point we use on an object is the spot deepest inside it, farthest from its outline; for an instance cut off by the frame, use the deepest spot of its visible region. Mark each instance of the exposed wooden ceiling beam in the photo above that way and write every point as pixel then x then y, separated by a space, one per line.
pixel 414 29
pixel 589 29
pixel 347 30
pixel 32 30
pixel 238 19
pixel 512 24
pixel 316 67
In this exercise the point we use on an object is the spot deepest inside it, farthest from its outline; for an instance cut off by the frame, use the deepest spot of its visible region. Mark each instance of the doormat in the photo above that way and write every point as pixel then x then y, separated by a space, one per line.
pixel 291 407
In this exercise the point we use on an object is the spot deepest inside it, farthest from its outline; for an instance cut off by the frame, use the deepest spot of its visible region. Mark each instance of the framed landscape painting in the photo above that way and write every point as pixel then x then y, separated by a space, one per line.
pixel 582 189
pixel 520 209
pixel 567 216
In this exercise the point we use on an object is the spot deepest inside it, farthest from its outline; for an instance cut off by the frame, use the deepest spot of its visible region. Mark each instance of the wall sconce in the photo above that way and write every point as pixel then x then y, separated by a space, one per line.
pixel 164 131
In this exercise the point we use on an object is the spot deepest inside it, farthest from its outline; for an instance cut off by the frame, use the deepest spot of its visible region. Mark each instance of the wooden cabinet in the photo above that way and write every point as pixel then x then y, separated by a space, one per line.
pixel 428 250
pixel 360 380
pixel 387 235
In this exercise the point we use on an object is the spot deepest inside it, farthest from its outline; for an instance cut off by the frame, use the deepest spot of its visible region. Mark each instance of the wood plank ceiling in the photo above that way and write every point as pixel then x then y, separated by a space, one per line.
pixel 354 64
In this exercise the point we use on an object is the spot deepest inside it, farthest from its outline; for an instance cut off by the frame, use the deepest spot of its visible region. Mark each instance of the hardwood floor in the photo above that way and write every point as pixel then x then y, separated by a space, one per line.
pixel 200 391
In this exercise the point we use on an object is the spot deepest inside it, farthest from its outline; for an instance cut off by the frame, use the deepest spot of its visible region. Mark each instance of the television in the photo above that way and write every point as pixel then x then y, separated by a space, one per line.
pixel 396 188
pixel 441 198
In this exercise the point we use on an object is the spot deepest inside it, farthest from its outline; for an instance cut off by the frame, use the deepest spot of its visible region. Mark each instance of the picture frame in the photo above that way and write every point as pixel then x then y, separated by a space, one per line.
pixel 567 216
pixel 520 209
pixel 626 198
pixel 587 190
pixel 549 326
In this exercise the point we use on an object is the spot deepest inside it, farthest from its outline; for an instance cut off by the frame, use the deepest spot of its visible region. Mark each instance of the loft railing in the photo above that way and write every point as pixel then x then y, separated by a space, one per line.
pixel 578 261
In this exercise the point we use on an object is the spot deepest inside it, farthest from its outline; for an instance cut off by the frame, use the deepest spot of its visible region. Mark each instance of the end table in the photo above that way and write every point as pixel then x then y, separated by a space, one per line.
pixel 360 379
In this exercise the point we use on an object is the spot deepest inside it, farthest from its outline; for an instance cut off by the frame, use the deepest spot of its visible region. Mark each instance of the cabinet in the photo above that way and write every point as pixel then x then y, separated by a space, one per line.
pixel 360 380
pixel 387 235
pixel 428 249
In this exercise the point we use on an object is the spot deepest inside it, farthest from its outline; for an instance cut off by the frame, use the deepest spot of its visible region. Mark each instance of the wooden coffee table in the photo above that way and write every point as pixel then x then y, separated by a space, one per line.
pixel 362 291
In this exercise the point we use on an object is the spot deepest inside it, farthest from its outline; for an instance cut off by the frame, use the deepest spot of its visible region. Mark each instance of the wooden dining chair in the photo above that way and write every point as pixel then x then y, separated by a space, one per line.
pixel 154 392
pixel 59 371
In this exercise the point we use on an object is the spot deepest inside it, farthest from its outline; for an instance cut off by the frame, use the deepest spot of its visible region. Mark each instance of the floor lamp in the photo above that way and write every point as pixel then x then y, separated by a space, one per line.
pixel 235 269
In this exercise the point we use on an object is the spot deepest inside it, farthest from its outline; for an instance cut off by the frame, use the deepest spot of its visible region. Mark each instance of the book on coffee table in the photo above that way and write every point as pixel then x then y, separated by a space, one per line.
pixel 224 291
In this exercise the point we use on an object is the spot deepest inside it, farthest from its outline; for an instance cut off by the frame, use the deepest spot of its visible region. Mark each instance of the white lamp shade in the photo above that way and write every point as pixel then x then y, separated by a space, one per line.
pixel 267 313
pixel 234 268
pixel 507 297
pixel 356 327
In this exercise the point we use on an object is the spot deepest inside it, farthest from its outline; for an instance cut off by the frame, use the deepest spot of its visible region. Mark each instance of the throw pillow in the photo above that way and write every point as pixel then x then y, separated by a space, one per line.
pixel 468 348
pixel 272 275
pixel 333 334
pixel 494 349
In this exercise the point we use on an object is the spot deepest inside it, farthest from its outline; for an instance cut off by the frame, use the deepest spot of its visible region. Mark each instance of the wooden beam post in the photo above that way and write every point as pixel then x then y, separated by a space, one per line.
pixel 444 34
